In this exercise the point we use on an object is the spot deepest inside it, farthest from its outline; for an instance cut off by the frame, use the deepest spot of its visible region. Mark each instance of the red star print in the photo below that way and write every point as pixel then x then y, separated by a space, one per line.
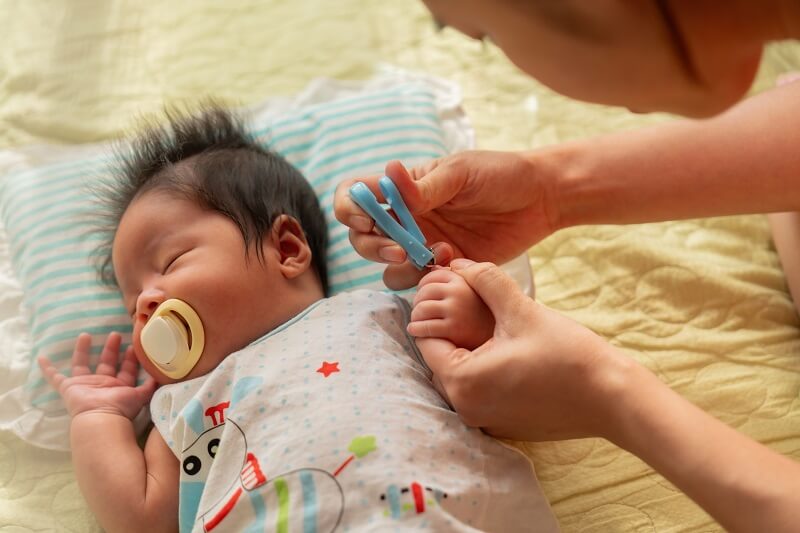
pixel 328 368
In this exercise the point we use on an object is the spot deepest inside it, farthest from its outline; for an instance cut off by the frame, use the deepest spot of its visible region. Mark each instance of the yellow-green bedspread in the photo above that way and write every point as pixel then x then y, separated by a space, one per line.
pixel 704 304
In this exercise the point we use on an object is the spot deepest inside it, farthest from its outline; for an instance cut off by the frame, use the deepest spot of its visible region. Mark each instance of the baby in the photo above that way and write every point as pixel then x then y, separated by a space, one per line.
pixel 277 409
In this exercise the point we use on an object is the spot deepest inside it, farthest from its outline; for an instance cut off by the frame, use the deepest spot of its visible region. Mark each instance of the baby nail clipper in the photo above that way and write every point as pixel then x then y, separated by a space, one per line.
pixel 408 235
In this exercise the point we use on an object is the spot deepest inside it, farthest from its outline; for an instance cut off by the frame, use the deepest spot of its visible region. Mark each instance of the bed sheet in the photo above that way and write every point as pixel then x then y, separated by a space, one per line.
pixel 704 304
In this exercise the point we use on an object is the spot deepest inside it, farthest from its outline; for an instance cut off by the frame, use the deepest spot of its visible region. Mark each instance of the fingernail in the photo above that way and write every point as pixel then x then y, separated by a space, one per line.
pixel 393 254
pixel 458 264
pixel 360 223
pixel 443 253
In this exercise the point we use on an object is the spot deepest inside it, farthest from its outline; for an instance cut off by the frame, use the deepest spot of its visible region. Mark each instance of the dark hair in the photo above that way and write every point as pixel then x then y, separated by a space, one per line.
pixel 211 158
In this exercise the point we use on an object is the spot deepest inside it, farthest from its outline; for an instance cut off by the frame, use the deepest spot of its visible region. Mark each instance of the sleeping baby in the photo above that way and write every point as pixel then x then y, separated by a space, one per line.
pixel 275 407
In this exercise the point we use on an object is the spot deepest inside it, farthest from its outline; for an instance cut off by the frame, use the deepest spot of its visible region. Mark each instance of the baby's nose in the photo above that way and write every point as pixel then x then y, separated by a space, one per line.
pixel 147 303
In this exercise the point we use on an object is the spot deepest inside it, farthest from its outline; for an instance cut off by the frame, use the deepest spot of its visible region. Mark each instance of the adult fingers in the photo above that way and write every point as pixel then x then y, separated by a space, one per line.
pixel 434 188
pixel 405 275
pixel 405 184
pixel 347 211
pixel 350 214
pixel 437 384
pixel 496 288
pixel 422 189
pixel 377 247
pixel 442 357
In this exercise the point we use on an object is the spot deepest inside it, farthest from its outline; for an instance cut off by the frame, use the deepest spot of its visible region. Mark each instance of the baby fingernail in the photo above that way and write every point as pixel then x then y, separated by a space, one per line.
pixel 392 254
pixel 458 264
pixel 360 223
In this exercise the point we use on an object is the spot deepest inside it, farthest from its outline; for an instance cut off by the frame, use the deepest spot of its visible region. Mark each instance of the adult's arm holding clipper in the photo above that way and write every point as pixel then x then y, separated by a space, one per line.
pixel 477 204
pixel 127 488
pixel 492 206
pixel 544 377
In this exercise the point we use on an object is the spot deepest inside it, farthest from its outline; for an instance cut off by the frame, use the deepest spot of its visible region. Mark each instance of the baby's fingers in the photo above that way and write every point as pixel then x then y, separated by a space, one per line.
pixel 50 372
pixel 437 328
pixel 129 368
pixel 429 310
pixel 146 389
pixel 110 355
pixel 80 356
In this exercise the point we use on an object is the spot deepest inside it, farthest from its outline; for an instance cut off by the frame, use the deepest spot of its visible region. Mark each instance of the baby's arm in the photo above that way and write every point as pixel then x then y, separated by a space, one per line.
pixel 127 489
pixel 446 307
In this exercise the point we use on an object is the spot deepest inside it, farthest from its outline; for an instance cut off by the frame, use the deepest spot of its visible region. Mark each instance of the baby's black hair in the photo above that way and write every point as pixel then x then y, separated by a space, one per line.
pixel 211 158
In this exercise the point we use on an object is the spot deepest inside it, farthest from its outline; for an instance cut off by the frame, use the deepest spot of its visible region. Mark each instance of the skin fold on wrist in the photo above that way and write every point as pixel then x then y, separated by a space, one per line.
pixel 565 186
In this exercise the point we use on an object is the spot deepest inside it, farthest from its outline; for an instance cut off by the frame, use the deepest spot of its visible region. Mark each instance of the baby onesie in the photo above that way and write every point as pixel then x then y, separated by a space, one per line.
pixel 330 423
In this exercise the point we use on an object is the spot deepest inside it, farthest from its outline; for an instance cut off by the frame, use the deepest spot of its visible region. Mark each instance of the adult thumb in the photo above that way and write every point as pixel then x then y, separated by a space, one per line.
pixel 425 193
pixel 496 288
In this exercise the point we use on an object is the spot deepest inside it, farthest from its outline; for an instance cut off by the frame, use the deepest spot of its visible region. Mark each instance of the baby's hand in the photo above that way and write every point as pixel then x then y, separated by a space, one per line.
pixel 108 390
pixel 446 307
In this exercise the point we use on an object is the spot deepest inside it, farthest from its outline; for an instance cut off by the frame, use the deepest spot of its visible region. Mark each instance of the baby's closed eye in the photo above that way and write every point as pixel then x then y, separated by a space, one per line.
pixel 172 261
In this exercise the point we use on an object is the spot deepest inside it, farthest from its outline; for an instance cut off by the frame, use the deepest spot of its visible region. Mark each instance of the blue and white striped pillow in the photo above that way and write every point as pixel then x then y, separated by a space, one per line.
pixel 47 213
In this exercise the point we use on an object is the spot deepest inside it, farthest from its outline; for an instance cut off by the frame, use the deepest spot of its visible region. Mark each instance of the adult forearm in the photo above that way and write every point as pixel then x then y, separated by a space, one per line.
pixel 742 484
pixel 111 472
pixel 744 161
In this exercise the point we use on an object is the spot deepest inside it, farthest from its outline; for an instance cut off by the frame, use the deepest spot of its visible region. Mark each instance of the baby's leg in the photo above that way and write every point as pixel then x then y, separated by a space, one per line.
pixel 786 234
pixel 446 307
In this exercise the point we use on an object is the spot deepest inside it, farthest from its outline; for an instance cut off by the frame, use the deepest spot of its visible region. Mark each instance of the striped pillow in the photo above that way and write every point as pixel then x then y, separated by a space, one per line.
pixel 47 213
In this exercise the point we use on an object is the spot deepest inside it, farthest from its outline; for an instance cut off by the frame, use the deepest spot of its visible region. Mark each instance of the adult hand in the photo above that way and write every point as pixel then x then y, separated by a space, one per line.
pixel 488 206
pixel 544 377
pixel 540 377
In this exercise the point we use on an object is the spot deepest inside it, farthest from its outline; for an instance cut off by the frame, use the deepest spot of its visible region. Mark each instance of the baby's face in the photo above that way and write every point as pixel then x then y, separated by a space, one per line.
pixel 167 246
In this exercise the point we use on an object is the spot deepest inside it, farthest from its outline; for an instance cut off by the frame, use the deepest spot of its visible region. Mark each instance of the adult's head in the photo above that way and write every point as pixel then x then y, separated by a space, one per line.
pixel 694 58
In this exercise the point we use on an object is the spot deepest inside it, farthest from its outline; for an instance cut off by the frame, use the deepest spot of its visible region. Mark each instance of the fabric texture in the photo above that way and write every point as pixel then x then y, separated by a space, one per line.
pixel 331 421
pixel 702 303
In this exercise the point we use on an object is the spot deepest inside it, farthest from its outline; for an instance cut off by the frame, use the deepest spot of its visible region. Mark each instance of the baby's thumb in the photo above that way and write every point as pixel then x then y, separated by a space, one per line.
pixel 496 288
pixel 147 389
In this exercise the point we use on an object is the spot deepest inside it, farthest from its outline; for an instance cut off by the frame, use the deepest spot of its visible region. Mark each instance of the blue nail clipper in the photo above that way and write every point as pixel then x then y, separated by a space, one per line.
pixel 408 235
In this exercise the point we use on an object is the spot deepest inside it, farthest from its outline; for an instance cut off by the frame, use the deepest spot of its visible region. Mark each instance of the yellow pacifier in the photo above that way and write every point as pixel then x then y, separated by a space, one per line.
pixel 173 338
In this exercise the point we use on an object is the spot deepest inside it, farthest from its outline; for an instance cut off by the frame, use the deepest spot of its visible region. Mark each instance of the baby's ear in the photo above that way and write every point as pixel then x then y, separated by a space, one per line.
pixel 290 242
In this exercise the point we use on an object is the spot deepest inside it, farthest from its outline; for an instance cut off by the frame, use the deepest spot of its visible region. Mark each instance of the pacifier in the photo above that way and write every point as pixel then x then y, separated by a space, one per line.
pixel 173 338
